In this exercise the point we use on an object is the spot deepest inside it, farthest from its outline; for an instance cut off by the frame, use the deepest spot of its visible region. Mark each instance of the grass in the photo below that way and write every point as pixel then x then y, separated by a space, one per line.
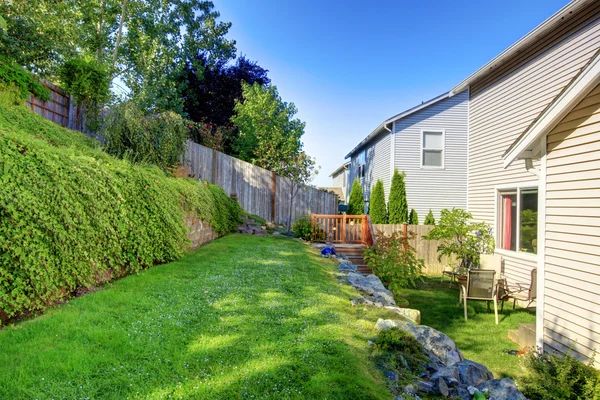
pixel 243 317
pixel 479 338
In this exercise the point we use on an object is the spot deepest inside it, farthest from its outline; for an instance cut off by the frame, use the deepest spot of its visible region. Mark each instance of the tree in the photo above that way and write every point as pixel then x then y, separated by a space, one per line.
pixel 269 135
pixel 356 201
pixel 378 210
pixel 429 219
pixel 397 204
pixel 300 171
pixel 210 93
pixel 461 237
pixel 413 218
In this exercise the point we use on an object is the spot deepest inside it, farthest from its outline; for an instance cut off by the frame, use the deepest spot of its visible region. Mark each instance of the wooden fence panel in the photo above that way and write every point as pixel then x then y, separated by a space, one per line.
pixel 56 109
pixel 253 186
pixel 425 249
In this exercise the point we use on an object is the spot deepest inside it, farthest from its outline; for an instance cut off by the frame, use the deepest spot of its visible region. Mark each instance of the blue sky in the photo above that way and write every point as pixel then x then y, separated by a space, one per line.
pixel 348 65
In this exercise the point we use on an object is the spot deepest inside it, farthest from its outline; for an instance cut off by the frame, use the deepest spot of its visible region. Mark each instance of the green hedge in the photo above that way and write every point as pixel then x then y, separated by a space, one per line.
pixel 72 216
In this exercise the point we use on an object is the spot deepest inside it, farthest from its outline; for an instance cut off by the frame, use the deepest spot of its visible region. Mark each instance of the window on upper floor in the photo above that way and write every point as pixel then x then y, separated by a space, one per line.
pixel 362 161
pixel 517 220
pixel 432 149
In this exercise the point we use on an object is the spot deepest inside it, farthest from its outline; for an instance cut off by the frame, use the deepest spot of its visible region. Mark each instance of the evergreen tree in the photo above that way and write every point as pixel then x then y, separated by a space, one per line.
pixel 429 219
pixel 413 218
pixel 397 205
pixel 356 202
pixel 377 206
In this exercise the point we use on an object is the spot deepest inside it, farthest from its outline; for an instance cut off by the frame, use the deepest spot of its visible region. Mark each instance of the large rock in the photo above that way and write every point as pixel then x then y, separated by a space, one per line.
pixel 438 346
pixel 471 373
pixel 348 267
pixel 501 389
pixel 413 315
pixel 369 284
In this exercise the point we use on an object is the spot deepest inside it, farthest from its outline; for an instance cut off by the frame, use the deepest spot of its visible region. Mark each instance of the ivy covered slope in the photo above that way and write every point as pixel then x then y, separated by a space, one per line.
pixel 72 216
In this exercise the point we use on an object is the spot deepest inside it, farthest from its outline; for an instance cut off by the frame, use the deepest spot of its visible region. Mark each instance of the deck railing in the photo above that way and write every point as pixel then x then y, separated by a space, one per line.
pixel 342 229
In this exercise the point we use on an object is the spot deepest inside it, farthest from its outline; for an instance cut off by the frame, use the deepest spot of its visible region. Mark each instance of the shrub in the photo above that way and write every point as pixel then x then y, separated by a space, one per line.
pixel 552 377
pixel 356 201
pixel 461 237
pixel 157 139
pixel 397 204
pixel 413 217
pixel 394 260
pixel 401 343
pixel 72 216
pixel 302 228
pixel 378 210
pixel 227 211
pixel 429 219
pixel 20 82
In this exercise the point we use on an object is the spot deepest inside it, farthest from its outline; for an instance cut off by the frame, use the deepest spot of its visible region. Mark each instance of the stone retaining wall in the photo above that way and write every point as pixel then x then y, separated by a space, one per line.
pixel 200 232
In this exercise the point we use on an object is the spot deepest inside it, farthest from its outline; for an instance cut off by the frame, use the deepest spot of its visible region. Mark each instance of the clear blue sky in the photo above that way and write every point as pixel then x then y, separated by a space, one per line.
pixel 348 65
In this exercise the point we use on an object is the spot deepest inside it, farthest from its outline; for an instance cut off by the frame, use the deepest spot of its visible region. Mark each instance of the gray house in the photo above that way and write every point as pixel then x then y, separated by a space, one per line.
pixel 340 181
pixel 429 143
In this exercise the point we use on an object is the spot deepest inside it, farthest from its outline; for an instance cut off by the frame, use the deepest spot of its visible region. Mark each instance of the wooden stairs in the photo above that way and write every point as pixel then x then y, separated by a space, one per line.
pixel 354 252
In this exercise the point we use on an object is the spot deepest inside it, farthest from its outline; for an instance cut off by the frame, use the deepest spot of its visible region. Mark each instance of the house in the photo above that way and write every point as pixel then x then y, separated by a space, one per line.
pixel 534 170
pixel 427 142
pixel 340 181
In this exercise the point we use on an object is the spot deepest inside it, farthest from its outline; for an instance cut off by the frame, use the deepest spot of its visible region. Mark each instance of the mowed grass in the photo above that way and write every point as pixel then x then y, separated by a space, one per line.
pixel 479 338
pixel 243 317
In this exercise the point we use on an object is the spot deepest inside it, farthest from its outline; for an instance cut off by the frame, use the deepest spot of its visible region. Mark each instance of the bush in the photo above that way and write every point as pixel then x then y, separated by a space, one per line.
pixel 399 342
pixel 356 202
pixel 72 216
pixel 302 228
pixel 552 377
pixel 157 139
pixel 429 219
pixel 20 82
pixel 378 210
pixel 461 237
pixel 413 217
pixel 397 204
pixel 227 211
pixel 394 260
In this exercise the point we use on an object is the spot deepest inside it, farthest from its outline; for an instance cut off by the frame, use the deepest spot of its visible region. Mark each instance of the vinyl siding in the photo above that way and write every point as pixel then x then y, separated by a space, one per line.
pixel 428 188
pixel 338 181
pixel 572 248
pixel 503 104
pixel 378 158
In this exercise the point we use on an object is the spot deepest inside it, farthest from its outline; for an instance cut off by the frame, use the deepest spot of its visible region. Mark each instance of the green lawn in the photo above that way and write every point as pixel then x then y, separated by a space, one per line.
pixel 243 317
pixel 479 338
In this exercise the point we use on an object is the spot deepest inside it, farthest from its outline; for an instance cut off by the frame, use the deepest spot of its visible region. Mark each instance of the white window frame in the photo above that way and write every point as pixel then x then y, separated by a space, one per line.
pixel 513 189
pixel 422 148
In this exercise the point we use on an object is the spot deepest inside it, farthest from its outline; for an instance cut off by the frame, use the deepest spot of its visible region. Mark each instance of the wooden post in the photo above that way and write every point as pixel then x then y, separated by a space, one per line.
pixel 344 229
pixel 273 196
pixel 214 167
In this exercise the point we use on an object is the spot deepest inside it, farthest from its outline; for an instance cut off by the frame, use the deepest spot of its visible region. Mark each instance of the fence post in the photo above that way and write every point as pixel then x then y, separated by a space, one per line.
pixel 214 166
pixel 344 228
pixel 273 195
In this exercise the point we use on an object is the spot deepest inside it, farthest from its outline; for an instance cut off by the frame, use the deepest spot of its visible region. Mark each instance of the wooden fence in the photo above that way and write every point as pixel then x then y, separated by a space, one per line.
pixel 342 229
pixel 259 191
pixel 426 249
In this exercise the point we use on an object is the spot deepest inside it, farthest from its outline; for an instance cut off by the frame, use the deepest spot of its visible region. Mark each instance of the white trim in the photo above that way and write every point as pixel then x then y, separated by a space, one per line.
pixel 562 105
pixel 541 263
pixel 468 145
pixel 518 185
pixel 541 30
pixel 514 189
pixel 422 148
pixel 393 163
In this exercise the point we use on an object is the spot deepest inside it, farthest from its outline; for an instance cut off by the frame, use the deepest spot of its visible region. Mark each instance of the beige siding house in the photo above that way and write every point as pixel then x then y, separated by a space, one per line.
pixel 534 170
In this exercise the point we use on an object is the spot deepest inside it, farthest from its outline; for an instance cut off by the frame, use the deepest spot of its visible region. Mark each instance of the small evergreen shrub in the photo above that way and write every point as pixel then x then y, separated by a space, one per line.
pixel 552 377
pixel 429 219
pixel 399 342
pixel 156 139
pixel 378 210
pixel 413 217
pixel 356 201
pixel 20 82
pixel 395 261
pixel 397 204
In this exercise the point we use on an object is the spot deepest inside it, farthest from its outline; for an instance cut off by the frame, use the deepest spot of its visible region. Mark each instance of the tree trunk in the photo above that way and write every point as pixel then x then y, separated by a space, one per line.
pixel 118 41
pixel 291 206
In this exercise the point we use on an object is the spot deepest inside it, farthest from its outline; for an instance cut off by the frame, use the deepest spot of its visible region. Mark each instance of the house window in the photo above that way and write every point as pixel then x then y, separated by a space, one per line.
pixel 432 153
pixel 518 220
pixel 362 160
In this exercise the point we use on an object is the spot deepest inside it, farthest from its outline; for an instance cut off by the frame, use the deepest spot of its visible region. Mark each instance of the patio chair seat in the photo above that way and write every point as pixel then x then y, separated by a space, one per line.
pixel 481 286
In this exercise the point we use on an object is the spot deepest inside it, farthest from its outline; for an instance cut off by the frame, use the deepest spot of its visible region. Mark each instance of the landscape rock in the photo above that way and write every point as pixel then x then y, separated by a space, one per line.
pixel 347 267
pixel 471 373
pixel 449 374
pixel 441 387
pixel 413 315
pixel 391 375
pixel 409 389
pixel 424 386
pixel 461 393
pixel 501 389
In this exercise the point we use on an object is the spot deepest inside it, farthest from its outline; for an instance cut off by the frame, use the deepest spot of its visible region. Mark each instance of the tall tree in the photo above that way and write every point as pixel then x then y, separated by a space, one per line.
pixel 397 204
pixel 377 207
pixel 356 205
pixel 413 217
pixel 269 135
pixel 300 171
pixel 429 219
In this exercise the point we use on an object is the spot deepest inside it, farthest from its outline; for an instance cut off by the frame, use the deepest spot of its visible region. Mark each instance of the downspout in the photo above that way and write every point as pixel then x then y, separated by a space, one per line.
pixel 392 153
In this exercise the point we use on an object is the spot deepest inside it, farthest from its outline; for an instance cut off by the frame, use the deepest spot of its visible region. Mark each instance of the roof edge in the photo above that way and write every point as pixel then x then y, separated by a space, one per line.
pixel 341 167
pixel 530 37
pixel 581 85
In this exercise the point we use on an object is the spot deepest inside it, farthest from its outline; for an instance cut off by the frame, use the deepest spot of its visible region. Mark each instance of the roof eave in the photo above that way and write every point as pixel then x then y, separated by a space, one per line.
pixel 581 86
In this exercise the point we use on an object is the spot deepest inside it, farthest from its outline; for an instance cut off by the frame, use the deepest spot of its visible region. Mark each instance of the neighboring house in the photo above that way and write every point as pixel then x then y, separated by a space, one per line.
pixel 429 144
pixel 534 170
pixel 340 180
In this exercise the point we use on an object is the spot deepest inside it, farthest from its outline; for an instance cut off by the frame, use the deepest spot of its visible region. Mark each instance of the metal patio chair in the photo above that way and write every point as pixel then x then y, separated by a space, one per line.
pixel 522 291
pixel 481 285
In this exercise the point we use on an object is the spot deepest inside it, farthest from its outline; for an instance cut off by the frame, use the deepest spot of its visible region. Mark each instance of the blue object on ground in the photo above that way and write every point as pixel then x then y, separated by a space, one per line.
pixel 328 252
